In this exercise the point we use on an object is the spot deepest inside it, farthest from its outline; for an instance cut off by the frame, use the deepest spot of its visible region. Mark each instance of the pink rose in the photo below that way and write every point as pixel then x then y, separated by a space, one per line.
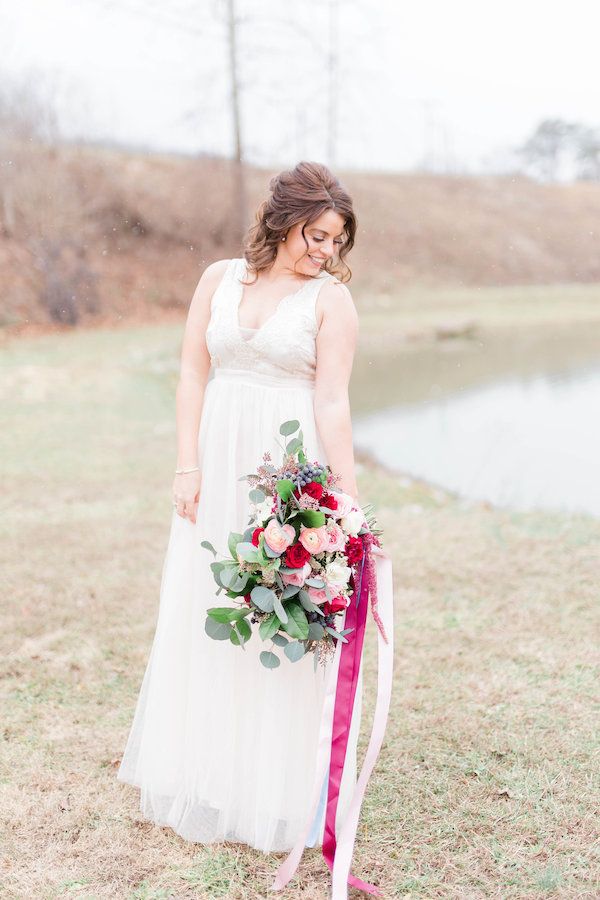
pixel 336 537
pixel 278 537
pixel 314 539
pixel 317 595
pixel 298 577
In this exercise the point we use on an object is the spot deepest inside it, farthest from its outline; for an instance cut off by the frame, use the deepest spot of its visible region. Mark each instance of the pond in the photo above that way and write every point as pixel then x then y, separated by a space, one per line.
pixel 523 440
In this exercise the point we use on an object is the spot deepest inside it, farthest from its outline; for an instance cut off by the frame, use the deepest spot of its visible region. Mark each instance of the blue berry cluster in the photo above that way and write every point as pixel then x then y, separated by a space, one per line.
pixel 307 473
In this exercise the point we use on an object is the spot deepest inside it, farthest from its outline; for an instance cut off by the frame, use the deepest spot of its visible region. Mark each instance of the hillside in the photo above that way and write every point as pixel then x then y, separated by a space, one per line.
pixel 121 235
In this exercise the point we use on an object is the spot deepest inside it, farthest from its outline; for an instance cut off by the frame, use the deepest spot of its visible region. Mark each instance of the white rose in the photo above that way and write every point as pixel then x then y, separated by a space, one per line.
pixel 353 522
pixel 337 575
pixel 263 510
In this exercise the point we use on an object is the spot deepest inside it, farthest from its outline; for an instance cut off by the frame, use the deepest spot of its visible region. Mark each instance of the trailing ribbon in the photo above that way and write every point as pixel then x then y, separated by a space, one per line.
pixel 374 582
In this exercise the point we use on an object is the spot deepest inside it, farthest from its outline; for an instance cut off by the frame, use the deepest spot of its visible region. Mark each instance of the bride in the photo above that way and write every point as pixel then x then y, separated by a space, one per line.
pixel 221 747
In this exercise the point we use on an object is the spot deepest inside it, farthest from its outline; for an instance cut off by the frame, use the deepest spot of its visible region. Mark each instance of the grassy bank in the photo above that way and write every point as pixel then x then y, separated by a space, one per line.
pixel 487 783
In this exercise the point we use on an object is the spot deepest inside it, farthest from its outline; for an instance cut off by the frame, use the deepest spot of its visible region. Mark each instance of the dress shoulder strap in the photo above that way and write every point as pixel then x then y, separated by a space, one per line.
pixel 225 287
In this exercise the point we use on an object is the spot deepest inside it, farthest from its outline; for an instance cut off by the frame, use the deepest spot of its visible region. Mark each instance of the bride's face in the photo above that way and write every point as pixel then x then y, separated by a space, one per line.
pixel 324 236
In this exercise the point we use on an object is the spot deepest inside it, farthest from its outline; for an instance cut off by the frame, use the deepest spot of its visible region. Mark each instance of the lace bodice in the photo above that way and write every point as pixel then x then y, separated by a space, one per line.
pixel 283 346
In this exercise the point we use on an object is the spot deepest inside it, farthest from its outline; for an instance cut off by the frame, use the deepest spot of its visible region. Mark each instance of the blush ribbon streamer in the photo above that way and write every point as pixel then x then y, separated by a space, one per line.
pixel 375 585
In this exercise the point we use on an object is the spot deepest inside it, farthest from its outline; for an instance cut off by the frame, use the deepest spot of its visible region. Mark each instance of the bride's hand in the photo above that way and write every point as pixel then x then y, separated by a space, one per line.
pixel 186 494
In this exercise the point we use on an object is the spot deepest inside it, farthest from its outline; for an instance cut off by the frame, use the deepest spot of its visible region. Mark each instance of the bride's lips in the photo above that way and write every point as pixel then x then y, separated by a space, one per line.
pixel 318 263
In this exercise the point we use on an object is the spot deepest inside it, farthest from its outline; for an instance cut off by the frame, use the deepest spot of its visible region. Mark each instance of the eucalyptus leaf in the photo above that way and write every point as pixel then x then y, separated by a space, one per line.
pixel 263 597
pixel 247 551
pixel 232 541
pixel 219 631
pixel 227 576
pixel 256 495
pixel 336 634
pixel 268 552
pixel 279 639
pixel 270 660
pixel 315 631
pixel 239 585
pixel 294 651
pixel 307 603
pixel 294 445
pixel 315 582
pixel 208 546
pixel 289 590
pixel 289 427
pixel 279 609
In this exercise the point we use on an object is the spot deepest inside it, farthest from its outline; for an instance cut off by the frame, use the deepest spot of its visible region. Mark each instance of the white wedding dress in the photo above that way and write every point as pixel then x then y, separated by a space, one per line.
pixel 221 747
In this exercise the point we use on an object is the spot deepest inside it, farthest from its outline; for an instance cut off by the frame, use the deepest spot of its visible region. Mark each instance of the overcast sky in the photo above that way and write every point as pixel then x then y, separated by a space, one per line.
pixel 452 85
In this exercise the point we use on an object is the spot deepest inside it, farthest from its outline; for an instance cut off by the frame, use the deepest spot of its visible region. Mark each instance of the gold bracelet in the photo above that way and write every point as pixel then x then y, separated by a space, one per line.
pixel 185 471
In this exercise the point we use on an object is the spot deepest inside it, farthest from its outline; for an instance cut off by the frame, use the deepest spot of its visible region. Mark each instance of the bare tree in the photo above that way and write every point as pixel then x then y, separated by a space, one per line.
pixel 548 147
pixel 588 154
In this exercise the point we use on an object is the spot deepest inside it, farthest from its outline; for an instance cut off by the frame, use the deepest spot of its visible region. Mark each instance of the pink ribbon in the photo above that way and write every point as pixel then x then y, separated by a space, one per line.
pixel 340 692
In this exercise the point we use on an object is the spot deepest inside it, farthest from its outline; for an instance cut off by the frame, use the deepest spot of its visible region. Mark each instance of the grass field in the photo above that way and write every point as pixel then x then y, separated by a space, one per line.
pixel 487 784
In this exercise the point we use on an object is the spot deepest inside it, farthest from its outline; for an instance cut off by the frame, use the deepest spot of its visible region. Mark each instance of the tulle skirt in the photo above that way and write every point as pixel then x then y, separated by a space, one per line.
pixel 221 747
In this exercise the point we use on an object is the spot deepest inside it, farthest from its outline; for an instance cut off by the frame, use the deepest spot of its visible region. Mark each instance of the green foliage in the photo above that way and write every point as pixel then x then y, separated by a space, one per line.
pixel 289 427
pixel 219 631
pixel 312 518
pixel 279 609
pixel 227 613
pixel 263 597
pixel 232 542
pixel 315 631
pixel 270 660
pixel 268 627
pixel 208 546
pixel 294 650
pixel 284 488
pixel 297 623
pixel 280 639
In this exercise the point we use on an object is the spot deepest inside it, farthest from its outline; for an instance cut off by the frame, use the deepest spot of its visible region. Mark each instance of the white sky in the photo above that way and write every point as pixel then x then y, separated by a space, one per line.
pixel 453 84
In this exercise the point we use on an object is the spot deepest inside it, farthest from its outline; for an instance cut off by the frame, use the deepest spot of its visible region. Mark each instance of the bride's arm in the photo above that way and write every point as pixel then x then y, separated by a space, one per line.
pixel 193 376
pixel 336 343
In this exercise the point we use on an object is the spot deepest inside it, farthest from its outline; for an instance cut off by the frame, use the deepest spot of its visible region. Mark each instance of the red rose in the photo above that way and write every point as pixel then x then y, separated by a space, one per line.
pixel 313 489
pixel 334 606
pixel 329 501
pixel 247 599
pixel 255 535
pixel 296 556
pixel 354 550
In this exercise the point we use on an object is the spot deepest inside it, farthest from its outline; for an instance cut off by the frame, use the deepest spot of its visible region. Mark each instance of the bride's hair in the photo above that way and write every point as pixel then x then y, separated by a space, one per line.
pixel 300 194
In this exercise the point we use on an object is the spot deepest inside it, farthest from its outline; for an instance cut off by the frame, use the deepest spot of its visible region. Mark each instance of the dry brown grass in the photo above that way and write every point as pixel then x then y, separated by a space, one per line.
pixel 150 225
pixel 487 783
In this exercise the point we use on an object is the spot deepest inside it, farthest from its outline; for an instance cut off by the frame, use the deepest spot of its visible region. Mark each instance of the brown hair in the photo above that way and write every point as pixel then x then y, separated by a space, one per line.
pixel 299 194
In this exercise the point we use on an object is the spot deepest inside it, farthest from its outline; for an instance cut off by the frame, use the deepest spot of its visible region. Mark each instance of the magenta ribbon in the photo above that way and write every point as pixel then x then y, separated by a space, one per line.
pixel 375 583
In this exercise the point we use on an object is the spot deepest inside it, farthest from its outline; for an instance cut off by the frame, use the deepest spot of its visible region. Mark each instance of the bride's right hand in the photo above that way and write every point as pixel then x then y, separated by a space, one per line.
pixel 186 494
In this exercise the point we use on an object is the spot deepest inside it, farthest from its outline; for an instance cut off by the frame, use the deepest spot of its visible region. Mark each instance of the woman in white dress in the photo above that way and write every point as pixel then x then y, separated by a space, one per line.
pixel 221 747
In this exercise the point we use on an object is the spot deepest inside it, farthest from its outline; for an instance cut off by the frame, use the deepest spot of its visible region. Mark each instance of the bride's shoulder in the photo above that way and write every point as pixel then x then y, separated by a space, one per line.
pixel 335 301
pixel 214 271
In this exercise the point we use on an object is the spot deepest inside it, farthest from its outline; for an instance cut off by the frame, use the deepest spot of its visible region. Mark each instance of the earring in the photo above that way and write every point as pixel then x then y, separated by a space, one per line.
pixel 283 239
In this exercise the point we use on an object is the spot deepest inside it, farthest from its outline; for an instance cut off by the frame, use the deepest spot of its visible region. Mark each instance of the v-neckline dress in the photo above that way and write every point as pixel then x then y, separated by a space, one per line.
pixel 221 747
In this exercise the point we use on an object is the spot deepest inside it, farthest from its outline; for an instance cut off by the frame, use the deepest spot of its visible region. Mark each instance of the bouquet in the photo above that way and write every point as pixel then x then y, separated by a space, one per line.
pixel 295 568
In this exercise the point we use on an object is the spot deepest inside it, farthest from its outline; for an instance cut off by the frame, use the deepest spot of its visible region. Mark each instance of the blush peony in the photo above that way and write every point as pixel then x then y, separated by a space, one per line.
pixel 314 539
pixel 279 537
